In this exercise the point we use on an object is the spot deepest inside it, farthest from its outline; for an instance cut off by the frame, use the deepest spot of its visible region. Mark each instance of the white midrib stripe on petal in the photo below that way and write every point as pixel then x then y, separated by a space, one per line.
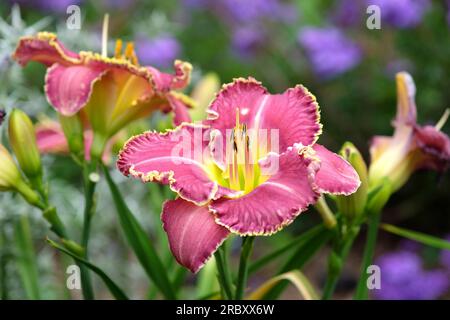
pixel 262 106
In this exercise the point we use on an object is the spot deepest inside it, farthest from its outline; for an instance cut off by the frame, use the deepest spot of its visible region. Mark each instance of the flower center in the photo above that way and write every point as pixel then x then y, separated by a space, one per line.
pixel 242 171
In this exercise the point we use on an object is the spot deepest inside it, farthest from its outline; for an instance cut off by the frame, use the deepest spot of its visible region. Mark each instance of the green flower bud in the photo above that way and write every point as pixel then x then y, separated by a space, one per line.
pixel 22 138
pixel 353 205
pixel 379 196
pixel 11 179
pixel 9 174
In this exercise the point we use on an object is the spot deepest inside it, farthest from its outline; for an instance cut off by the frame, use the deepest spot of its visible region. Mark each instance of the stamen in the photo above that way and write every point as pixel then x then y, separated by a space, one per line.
pixel 118 49
pixel 130 54
pixel 105 36
pixel 443 119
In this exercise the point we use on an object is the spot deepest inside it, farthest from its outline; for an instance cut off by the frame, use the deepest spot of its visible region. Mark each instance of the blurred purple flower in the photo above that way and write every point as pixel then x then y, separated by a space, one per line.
pixel 401 13
pixel 160 51
pixel 329 50
pixel 403 277
pixel 348 12
pixel 249 11
pixel 195 4
pixel 445 257
pixel 247 40
pixel 57 6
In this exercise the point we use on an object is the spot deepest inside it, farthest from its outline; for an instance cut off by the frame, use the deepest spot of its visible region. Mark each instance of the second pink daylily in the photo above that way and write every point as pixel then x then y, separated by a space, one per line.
pixel 50 139
pixel 412 146
pixel 107 92
pixel 231 187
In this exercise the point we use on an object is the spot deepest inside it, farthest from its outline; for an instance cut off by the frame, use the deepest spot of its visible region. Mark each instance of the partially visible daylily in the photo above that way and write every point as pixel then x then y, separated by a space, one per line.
pixel 50 138
pixel 412 146
pixel 232 187
pixel 107 92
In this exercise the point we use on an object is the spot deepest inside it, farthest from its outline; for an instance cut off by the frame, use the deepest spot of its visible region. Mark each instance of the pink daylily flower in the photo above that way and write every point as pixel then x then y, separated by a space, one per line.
pixel 109 91
pixel 50 139
pixel 232 187
pixel 412 146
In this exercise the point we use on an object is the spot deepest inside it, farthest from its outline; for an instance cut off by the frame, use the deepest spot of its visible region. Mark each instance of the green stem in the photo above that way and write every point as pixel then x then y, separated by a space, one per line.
pixel 369 250
pixel 89 210
pixel 247 246
pixel 26 259
pixel 224 275
pixel 336 261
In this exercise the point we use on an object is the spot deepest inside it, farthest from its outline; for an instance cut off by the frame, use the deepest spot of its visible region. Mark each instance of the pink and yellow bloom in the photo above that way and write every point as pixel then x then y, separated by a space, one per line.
pixel 412 146
pixel 223 169
pixel 107 92
pixel 50 139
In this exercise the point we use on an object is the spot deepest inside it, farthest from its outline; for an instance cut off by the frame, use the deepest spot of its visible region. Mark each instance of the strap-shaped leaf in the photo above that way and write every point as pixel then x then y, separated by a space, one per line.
pixel 298 279
pixel 299 258
pixel 112 286
pixel 417 236
pixel 139 242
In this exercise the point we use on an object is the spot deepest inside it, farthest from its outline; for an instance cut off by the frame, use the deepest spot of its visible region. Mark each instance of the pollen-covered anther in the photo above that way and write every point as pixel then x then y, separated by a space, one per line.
pixel 129 54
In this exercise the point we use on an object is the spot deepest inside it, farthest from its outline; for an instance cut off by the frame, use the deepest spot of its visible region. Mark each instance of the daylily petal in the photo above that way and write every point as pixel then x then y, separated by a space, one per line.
pixel 165 82
pixel 173 158
pixel 179 108
pixel 435 146
pixel 44 48
pixel 274 203
pixel 68 88
pixel 193 234
pixel 406 105
pixel 378 146
pixel 294 113
pixel 335 175
pixel 50 138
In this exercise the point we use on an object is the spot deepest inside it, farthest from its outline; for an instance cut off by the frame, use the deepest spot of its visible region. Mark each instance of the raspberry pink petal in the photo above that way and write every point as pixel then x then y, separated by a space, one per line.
pixel 274 203
pixel 435 147
pixel 193 234
pixel 335 175
pixel 50 138
pixel 294 113
pixel 179 108
pixel 173 158
pixel 68 88
pixel 44 48
pixel 165 82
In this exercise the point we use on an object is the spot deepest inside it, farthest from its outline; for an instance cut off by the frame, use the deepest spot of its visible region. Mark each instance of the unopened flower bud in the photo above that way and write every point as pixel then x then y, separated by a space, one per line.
pixel 22 138
pixel 353 205
pixel 11 179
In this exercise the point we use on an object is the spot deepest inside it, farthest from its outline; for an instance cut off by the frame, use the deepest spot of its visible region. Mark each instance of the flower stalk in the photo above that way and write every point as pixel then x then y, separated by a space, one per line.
pixel 247 247
pixel 223 274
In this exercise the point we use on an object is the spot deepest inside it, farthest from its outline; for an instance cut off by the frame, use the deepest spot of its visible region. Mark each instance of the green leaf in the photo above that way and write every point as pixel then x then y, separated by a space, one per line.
pixel 417 236
pixel 298 279
pixel 207 280
pixel 112 286
pixel 26 258
pixel 294 243
pixel 299 258
pixel 139 242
